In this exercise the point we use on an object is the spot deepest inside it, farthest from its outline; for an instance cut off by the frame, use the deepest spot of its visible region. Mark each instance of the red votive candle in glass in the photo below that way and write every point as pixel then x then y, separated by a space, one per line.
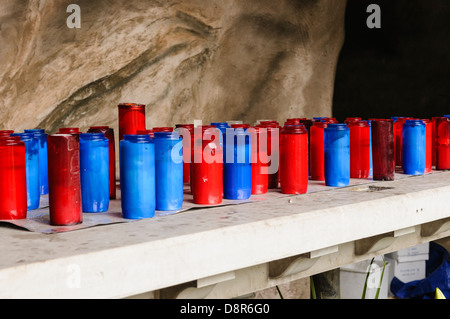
pixel 206 166
pixel 294 160
pixel 292 121
pixel 273 129
pixel 428 145
pixel 330 120
pixel 383 149
pixel 131 118
pixel 398 139
pixel 109 134
pixel 13 183
pixel 145 132
pixel 317 151
pixel 349 120
pixel 260 177
pixel 64 180
pixel 70 130
pixel 163 129
pixel 443 143
pixel 434 147
pixel 359 149
pixel 6 132
pixel 186 130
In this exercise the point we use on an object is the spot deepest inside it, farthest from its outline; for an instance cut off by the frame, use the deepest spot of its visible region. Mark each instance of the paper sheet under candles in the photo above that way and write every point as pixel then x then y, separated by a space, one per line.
pixel 38 220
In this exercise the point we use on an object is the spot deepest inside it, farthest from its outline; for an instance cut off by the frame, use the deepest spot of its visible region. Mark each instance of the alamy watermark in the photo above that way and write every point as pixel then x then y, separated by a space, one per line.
pixel 374 19
pixel 249 145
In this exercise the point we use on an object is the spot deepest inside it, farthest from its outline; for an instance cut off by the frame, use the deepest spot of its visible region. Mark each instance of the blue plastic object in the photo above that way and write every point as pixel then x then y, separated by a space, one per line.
pixel 237 168
pixel 168 171
pixel 337 155
pixel 32 169
pixel 43 165
pixel 222 126
pixel 437 275
pixel 137 176
pixel 413 152
pixel 94 172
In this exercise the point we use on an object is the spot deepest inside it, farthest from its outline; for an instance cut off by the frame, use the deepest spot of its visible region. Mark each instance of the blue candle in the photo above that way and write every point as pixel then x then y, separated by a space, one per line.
pixel 137 176
pixel 413 152
pixel 94 172
pixel 237 168
pixel 168 171
pixel 43 165
pixel 337 155
pixel 32 168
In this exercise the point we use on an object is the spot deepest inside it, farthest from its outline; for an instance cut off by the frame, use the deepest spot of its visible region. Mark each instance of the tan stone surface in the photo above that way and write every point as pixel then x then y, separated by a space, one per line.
pixel 186 60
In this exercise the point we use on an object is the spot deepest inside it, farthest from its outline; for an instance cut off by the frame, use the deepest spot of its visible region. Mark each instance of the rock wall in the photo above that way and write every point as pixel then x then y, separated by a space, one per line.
pixel 189 59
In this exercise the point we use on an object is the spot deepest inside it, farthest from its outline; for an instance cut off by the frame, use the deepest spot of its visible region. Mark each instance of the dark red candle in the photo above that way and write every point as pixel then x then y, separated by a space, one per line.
pixel 187 134
pixel 64 180
pixel 260 177
pixel 207 166
pixel 13 188
pixel 75 131
pixel 317 151
pixel 383 149
pixel 443 143
pixel 109 134
pixel 294 160
pixel 131 118
pixel 359 149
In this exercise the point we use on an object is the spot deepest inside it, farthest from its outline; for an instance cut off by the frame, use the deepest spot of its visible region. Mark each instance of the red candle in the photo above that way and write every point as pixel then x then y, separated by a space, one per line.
pixel 434 147
pixel 145 132
pixel 317 151
pixel 359 149
pixel 383 150
pixel 428 145
pixel 131 118
pixel 273 129
pixel 260 177
pixel 163 129
pixel 64 180
pixel 185 131
pixel 294 160
pixel 292 122
pixel 109 134
pixel 207 167
pixel 12 178
pixel 6 132
pixel 352 120
pixel 398 138
pixel 443 143
pixel 330 120
pixel 75 131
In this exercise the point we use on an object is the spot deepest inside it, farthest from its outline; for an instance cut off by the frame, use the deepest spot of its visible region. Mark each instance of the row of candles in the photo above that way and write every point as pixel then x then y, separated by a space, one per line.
pixel 220 160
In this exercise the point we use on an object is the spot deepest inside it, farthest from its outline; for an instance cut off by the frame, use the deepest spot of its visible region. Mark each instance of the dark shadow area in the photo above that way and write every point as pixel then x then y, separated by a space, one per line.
pixel 402 69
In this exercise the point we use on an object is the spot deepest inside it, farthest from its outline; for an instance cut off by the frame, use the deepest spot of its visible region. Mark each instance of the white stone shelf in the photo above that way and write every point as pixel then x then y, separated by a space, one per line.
pixel 227 251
